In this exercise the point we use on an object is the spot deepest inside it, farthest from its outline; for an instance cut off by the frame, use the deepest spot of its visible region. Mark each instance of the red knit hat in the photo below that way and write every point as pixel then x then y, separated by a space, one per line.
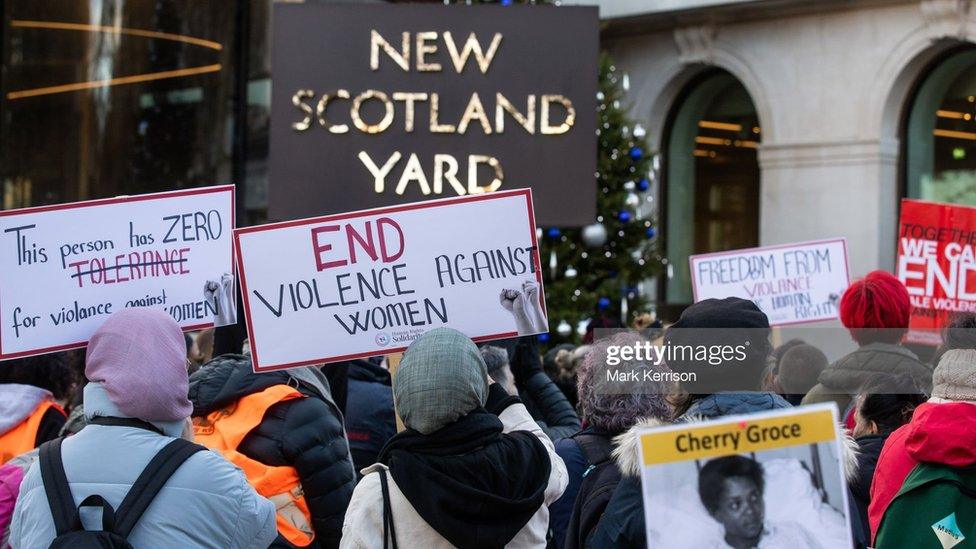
pixel 876 308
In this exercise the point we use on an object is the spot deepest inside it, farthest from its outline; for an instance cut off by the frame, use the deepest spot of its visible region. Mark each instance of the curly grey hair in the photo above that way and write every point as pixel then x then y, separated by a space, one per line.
pixel 603 406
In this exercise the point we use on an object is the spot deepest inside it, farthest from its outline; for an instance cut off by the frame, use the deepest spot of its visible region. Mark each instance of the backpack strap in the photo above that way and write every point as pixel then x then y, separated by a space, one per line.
pixel 108 514
pixel 150 482
pixel 388 529
pixel 59 497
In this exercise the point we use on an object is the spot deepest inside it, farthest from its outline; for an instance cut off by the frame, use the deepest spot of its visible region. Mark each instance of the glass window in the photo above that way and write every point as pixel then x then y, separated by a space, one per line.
pixel 941 133
pixel 104 98
pixel 712 177
pixel 258 113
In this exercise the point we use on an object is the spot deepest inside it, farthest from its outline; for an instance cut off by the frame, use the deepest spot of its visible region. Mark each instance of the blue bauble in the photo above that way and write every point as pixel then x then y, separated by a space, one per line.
pixel 636 153
pixel 644 184
pixel 506 2
pixel 624 216
pixel 543 337
pixel 603 303
pixel 553 232
pixel 650 232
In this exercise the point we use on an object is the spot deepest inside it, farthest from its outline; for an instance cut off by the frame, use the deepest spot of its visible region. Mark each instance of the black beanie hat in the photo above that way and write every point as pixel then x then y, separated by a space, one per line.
pixel 733 326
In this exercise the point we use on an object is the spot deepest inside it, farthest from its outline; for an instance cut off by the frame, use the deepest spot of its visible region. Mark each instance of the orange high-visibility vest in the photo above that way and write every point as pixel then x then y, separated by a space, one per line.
pixel 23 437
pixel 223 431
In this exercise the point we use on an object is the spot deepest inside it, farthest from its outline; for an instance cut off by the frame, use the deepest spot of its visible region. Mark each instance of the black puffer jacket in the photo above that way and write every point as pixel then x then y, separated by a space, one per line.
pixel 542 398
pixel 306 434
pixel 844 378
pixel 868 449
pixel 370 420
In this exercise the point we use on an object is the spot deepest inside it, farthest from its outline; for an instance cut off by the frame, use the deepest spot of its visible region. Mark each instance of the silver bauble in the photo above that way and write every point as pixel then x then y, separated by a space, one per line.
pixel 581 327
pixel 594 235
pixel 564 329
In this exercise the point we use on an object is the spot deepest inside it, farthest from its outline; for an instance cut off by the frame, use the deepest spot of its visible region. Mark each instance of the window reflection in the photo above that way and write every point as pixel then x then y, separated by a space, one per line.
pixel 712 177
pixel 107 98
pixel 941 133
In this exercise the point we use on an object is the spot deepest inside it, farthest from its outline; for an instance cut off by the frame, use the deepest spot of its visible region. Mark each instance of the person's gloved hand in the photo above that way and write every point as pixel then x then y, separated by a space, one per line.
pixel 525 360
pixel 221 295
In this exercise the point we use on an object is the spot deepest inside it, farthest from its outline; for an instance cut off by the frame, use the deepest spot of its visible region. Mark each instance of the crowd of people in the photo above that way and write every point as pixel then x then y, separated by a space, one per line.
pixel 165 440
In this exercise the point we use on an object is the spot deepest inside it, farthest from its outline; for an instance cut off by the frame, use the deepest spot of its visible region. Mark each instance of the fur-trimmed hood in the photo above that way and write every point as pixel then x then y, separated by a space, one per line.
pixel 626 452
pixel 626 447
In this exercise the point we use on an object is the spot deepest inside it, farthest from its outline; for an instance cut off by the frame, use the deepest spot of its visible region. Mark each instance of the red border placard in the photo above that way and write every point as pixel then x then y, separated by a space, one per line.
pixel 427 204
pixel 106 202
pixel 847 267
pixel 926 329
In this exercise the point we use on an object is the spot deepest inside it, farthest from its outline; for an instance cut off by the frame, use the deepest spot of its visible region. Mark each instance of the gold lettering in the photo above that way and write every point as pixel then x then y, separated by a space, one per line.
pixel 379 174
pixel 413 172
pixel 408 99
pixel 436 127
pixel 471 45
pixel 440 174
pixel 474 110
pixel 545 127
pixel 502 105
pixel 376 41
pixel 387 117
pixel 473 161
pixel 323 105
pixel 423 48
pixel 298 101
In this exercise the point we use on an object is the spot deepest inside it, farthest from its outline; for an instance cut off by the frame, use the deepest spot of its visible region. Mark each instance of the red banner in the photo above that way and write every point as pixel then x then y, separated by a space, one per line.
pixel 937 263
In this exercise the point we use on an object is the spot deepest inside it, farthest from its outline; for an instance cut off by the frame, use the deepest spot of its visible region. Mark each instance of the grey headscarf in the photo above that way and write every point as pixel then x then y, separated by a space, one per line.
pixel 441 378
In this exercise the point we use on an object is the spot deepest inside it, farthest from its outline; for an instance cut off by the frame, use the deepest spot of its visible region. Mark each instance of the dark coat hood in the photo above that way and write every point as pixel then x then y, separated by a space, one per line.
pixel 227 378
pixel 370 371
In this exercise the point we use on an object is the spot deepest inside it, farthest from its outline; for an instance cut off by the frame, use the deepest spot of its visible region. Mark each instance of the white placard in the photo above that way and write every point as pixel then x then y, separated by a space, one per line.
pixel 791 283
pixel 368 283
pixel 65 268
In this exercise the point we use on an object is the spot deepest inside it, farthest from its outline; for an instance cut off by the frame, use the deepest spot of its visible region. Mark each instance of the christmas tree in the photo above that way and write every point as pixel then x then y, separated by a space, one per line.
pixel 597 270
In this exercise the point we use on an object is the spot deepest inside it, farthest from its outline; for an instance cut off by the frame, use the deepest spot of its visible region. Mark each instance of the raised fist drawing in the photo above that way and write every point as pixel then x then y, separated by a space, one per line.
pixel 507 298
pixel 525 307
pixel 220 293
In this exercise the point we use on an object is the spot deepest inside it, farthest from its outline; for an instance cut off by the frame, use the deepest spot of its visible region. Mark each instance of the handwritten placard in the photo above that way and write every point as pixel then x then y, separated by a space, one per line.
pixel 65 268
pixel 369 283
pixel 791 283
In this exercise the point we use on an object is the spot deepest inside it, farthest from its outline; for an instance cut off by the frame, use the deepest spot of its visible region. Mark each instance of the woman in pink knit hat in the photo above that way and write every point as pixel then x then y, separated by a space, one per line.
pixel 137 408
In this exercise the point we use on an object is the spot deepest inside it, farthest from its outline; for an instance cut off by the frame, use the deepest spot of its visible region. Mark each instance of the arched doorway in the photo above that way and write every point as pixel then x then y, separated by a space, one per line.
pixel 940 132
pixel 711 177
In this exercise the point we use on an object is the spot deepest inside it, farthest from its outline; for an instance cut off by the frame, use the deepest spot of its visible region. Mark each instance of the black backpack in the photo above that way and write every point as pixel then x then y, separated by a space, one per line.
pixel 599 481
pixel 116 525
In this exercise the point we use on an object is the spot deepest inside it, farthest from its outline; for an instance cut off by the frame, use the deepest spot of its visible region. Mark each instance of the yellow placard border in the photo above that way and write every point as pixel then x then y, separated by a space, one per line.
pixel 753 433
